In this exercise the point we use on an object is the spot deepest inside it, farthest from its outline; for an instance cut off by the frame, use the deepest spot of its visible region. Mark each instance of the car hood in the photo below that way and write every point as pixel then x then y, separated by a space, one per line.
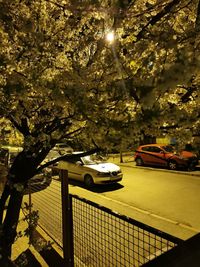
pixel 104 167
pixel 187 154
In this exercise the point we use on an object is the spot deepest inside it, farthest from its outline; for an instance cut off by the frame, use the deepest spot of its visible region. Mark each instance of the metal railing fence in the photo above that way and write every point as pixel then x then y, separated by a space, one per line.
pixel 105 238
pixel 101 237
pixel 48 201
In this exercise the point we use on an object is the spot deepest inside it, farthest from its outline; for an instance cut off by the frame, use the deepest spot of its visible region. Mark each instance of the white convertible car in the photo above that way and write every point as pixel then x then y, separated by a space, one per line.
pixel 90 171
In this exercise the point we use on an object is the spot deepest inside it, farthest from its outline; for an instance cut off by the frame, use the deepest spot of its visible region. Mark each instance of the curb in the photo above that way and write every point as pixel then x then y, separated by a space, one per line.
pixel 163 170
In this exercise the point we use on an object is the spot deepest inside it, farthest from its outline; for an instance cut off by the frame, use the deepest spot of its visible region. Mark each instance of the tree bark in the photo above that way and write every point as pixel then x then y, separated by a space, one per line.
pixel 9 225
pixel 197 24
pixel 121 157
pixel 3 199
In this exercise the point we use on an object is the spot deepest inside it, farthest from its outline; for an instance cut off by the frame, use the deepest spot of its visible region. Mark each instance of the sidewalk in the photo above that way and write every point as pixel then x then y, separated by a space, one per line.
pixel 24 254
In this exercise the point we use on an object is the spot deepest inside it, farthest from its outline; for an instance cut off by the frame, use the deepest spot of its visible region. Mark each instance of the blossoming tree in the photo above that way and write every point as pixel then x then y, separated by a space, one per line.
pixel 61 78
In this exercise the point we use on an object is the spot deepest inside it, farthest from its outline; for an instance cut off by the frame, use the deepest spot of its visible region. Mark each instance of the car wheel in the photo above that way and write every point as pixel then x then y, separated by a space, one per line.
pixel 191 167
pixel 88 180
pixel 172 165
pixel 139 162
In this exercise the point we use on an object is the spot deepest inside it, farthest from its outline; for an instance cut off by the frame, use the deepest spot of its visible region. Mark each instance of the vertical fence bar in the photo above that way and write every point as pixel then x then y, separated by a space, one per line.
pixel 29 220
pixel 67 227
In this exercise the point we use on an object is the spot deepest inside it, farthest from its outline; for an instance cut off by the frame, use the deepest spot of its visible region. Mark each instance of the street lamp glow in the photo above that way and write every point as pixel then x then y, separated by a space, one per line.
pixel 110 37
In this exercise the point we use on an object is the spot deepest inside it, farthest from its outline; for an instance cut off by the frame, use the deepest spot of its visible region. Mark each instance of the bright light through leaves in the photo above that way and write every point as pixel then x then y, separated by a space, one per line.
pixel 110 37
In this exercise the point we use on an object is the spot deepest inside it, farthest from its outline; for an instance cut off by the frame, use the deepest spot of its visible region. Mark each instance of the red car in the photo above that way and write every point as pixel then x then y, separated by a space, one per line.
pixel 165 156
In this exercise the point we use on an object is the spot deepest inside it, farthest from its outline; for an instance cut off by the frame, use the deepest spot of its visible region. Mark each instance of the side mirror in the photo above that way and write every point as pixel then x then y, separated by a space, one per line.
pixel 79 163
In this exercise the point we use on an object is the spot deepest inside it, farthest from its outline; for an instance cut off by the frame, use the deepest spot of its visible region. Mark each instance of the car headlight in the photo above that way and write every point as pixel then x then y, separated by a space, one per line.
pixel 183 158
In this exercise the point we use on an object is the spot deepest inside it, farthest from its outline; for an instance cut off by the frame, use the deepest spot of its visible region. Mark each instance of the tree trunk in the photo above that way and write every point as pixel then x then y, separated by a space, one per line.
pixel 4 197
pixel 9 225
pixel 197 26
pixel 23 168
pixel 121 157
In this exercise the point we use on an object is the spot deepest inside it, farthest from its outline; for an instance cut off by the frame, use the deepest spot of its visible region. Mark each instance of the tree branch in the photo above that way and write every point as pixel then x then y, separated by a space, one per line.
pixel 186 97
pixel 23 128
pixel 67 157
pixel 157 17
pixel 72 133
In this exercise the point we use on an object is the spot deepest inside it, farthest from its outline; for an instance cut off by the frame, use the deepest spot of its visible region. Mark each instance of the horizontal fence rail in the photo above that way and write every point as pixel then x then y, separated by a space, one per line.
pixel 101 237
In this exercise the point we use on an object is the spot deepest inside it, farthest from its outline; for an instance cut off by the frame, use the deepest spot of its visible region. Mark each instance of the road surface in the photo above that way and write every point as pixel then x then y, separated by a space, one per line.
pixel 165 200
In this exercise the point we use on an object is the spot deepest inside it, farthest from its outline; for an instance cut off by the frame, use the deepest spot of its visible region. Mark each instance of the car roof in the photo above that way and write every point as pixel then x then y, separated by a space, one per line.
pixel 155 145
pixel 77 152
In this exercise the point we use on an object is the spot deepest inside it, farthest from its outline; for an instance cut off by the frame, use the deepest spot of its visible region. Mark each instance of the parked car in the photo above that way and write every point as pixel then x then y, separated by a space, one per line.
pixel 91 171
pixel 56 152
pixel 165 156
pixel 62 148
pixel 8 153
pixel 7 156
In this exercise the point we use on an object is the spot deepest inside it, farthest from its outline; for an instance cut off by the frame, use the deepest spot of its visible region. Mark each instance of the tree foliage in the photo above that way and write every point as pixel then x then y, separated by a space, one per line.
pixel 60 77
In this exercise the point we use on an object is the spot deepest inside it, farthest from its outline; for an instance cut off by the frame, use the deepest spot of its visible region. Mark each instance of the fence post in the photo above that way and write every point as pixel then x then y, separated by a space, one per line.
pixel 29 220
pixel 67 226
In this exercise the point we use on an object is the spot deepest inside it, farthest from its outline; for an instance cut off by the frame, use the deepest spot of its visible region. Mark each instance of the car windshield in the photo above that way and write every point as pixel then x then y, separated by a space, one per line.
pixel 168 149
pixel 87 160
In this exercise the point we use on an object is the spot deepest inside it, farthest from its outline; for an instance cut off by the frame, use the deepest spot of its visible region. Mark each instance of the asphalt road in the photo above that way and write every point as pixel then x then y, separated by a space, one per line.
pixel 166 200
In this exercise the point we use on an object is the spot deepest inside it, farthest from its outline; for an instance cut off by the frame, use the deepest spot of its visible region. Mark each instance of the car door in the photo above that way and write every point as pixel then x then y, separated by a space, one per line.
pixel 157 156
pixel 76 169
pixel 145 154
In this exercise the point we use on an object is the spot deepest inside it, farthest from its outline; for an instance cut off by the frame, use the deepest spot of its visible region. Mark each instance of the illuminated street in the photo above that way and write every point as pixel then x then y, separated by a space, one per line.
pixel 162 199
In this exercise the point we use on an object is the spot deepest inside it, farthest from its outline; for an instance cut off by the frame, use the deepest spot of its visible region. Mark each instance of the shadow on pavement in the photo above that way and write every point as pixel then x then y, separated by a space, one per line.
pixel 97 188
pixel 50 256
pixel 27 259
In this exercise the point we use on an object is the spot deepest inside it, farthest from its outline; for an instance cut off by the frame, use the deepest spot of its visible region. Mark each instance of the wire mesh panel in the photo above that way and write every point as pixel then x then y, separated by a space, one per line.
pixel 106 239
pixel 101 237
pixel 48 202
